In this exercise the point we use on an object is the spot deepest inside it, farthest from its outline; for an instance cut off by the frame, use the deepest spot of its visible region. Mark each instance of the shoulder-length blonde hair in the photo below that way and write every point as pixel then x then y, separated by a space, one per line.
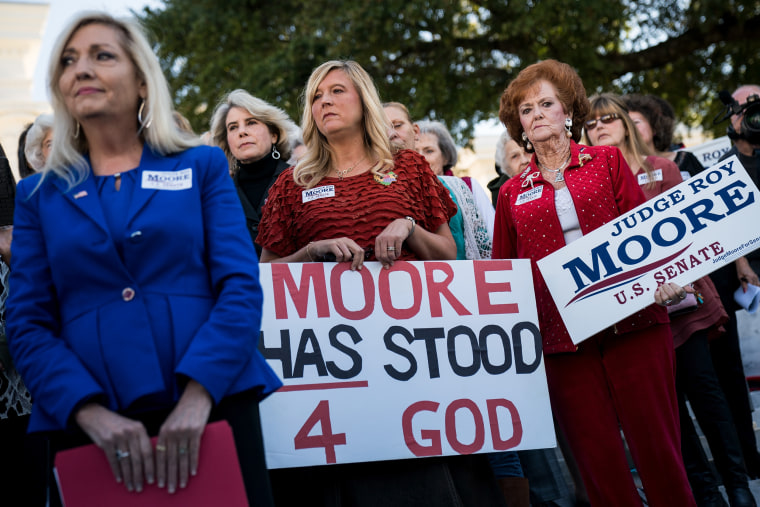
pixel 317 161
pixel 69 145
pixel 606 103
pixel 277 121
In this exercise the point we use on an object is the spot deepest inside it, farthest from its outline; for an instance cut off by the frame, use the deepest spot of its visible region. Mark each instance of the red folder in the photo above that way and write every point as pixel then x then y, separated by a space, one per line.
pixel 85 478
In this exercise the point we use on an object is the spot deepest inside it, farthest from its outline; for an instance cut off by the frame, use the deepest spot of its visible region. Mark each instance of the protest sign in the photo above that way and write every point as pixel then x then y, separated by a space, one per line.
pixel 424 359
pixel 710 152
pixel 679 236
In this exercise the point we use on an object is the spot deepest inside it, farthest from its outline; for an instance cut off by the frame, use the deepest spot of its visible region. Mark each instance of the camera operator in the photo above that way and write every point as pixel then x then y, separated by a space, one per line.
pixel 743 108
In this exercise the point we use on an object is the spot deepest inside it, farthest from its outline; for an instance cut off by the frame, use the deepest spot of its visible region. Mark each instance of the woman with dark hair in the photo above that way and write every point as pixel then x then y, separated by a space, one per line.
pixel 622 376
pixel 656 121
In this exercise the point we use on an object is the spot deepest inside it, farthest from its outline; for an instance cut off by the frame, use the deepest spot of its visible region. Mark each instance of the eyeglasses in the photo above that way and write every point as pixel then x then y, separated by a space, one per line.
pixel 606 119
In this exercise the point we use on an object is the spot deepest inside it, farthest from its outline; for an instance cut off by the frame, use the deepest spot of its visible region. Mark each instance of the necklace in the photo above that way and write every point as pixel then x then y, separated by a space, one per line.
pixel 344 172
pixel 558 176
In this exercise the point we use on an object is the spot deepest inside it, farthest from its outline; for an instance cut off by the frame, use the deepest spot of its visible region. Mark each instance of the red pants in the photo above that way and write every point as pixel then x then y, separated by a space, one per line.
pixel 630 380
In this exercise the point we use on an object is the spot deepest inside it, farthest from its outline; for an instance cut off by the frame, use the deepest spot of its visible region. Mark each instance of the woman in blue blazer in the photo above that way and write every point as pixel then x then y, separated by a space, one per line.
pixel 135 305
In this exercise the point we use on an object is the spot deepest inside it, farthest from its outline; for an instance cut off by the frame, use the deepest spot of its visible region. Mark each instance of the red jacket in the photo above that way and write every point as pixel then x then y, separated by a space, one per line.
pixel 602 187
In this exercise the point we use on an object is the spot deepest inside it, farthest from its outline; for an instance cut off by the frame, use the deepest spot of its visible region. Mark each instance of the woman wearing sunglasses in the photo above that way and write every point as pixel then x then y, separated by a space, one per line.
pixel 696 380
pixel 622 377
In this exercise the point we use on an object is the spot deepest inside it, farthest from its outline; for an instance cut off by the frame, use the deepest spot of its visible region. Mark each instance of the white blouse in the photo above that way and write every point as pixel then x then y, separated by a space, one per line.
pixel 568 218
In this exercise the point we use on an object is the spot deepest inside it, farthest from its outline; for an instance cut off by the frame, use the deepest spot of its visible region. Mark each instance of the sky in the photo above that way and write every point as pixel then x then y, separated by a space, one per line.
pixel 59 14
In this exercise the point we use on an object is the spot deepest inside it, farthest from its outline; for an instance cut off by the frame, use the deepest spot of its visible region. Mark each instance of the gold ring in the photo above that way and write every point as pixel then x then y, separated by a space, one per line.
pixel 161 448
pixel 391 248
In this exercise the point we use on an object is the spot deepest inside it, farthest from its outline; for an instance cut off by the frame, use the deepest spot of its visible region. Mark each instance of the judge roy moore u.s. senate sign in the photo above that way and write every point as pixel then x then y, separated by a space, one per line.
pixel 425 359
pixel 679 236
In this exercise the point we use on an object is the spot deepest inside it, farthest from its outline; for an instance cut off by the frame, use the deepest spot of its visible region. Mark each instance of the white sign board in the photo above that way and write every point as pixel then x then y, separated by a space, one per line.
pixel 710 152
pixel 679 236
pixel 424 359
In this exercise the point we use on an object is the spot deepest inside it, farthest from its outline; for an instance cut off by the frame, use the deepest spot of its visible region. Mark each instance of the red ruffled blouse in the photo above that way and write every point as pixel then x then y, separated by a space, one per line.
pixel 358 207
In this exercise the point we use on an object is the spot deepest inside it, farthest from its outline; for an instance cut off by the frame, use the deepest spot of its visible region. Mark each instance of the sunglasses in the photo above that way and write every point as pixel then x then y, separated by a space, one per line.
pixel 606 119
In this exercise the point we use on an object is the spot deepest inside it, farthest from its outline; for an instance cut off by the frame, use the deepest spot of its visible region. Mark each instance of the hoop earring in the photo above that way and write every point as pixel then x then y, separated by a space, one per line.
pixel 527 144
pixel 140 118
pixel 275 153
pixel 569 127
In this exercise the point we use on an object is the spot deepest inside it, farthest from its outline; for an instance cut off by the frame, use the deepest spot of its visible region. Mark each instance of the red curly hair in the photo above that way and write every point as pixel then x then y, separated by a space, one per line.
pixel 566 82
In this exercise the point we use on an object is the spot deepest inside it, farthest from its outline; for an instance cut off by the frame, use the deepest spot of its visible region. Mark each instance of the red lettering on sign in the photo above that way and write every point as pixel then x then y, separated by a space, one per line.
pixel 310 274
pixel 327 439
pixel 337 292
pixel 517 429
pixel 484 288
pixel 451 427
pixel 383 284
pixel 433 436
pixel 438 289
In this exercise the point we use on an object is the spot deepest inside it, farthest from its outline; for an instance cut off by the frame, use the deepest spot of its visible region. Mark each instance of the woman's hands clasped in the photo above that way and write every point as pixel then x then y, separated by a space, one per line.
pixel 388 245
pixel 128 447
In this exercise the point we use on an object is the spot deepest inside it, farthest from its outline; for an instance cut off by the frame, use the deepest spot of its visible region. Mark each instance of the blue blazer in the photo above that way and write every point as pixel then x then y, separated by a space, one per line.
pixel 185 301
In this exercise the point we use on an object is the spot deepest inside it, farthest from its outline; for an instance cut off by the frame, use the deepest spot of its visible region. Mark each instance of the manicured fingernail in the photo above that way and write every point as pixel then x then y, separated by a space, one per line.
pixel 149 479
pixel 182 485
pixel 160 484
pixel 171 489
pixel 130 487
pixel 194 472
pixel 139 488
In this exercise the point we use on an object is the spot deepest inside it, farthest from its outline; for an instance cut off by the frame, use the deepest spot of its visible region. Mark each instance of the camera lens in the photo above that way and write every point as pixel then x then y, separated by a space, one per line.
pixel 751 122
pixel 752 116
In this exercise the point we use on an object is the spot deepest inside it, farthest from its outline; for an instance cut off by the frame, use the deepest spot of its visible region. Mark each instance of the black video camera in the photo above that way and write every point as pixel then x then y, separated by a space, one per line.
pixel 750 124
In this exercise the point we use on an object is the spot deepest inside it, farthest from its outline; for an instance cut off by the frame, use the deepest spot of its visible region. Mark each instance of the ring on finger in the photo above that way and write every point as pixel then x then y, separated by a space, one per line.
pixel 667 301
pixel 391 248
pixel 121 454
pixel 682 296
pixel 182 450
pixel 161 448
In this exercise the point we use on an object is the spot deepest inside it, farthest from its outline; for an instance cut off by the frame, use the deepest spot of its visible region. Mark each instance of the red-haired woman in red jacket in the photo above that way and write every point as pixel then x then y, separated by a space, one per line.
pixel 624 375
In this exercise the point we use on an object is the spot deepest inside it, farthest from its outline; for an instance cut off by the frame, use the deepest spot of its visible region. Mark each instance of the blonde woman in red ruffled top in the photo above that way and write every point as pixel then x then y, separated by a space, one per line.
pixel 622 377
pixel 350 200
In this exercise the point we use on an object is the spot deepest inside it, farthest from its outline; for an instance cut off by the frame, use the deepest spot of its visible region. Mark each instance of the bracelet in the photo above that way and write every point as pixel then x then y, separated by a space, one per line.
pixel 414 224
pixel 307 251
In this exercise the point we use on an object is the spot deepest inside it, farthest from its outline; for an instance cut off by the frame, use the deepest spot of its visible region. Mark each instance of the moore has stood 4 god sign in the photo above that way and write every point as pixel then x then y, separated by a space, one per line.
pixel 424 359
pixel 679 236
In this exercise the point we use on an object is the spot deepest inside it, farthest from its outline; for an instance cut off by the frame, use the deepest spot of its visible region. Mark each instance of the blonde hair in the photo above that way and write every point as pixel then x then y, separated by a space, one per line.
pixel 277 121
pixel 606 103
pixel 317 161
pixel 69 145
pixel 34 138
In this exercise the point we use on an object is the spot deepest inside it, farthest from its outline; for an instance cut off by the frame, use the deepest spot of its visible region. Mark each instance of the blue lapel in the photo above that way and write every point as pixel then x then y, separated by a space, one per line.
pixel 84 197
